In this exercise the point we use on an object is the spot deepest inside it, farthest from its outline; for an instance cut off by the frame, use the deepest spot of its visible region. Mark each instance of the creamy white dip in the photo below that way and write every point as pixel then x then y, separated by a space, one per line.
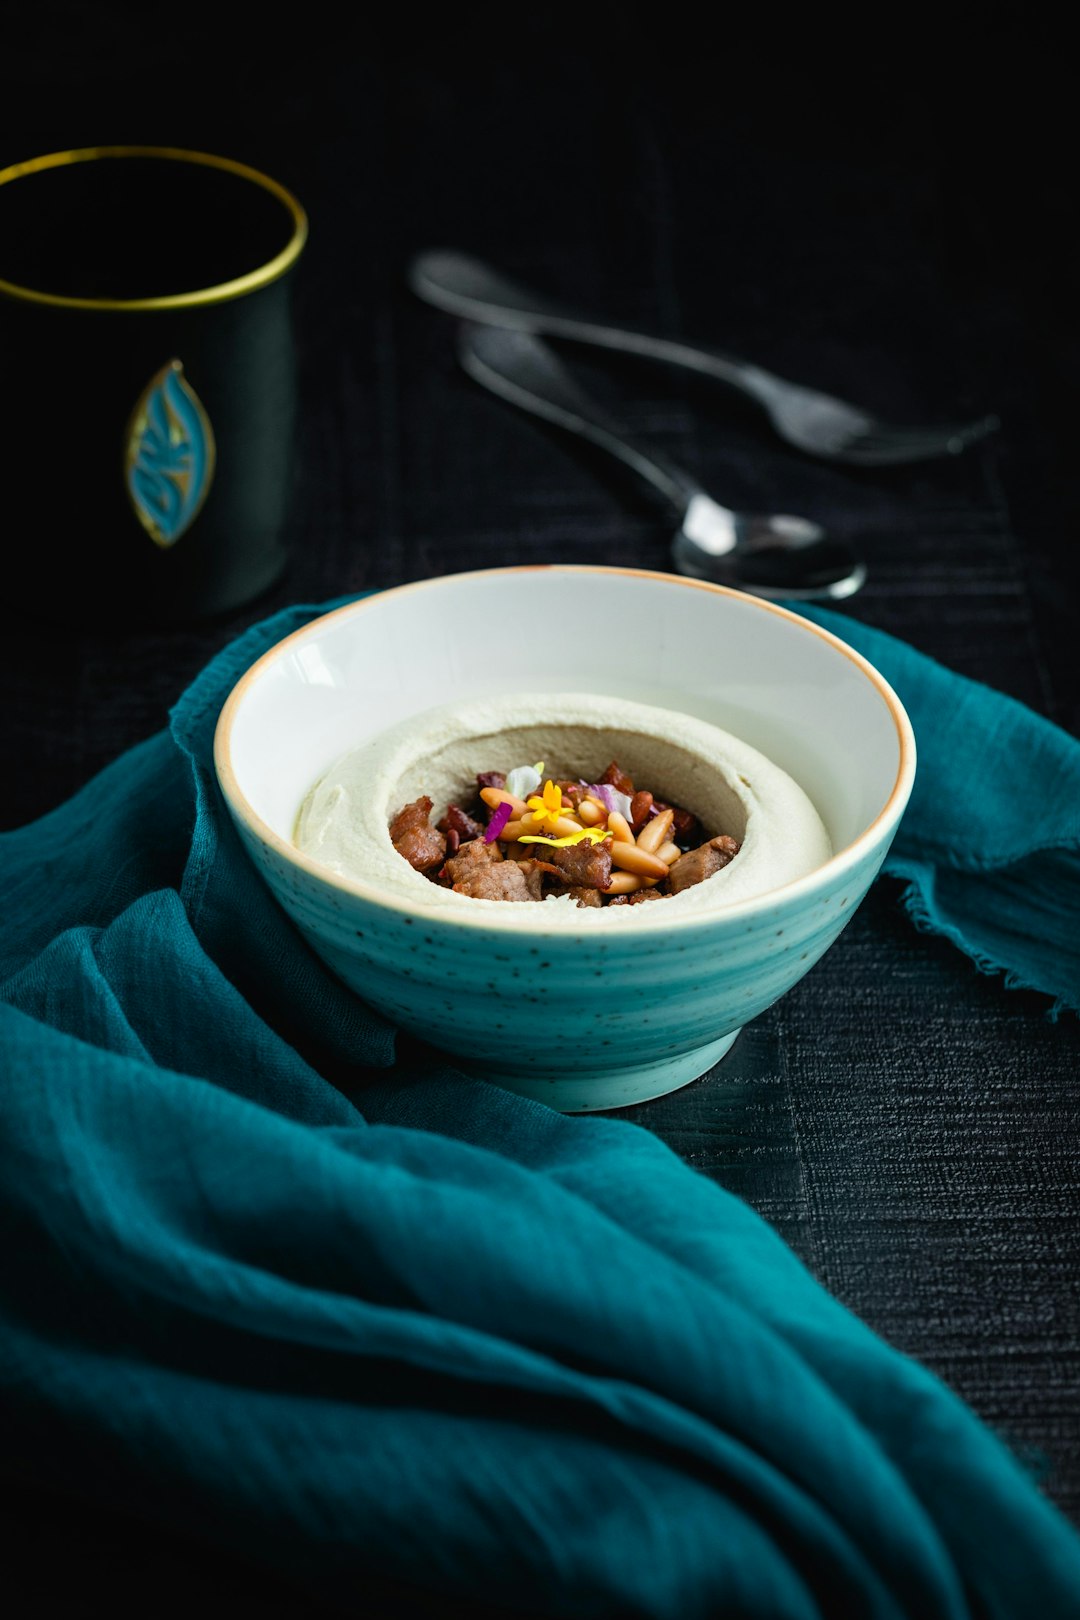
pixel 731 788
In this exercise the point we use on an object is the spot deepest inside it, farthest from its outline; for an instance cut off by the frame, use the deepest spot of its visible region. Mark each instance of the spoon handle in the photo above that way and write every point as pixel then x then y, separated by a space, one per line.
pixel 524 371
pixel 467 287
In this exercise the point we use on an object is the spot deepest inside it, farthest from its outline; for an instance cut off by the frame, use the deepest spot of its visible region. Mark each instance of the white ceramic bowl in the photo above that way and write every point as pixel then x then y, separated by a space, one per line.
pixel 580 1021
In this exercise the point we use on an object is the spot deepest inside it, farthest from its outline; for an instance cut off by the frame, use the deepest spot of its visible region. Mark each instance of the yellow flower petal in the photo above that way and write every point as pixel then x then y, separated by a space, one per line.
pixel 549 807
pixel 593 834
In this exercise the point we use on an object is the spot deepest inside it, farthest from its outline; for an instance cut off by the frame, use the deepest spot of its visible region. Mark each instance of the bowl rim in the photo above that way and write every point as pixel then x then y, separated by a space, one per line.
pixel 839 863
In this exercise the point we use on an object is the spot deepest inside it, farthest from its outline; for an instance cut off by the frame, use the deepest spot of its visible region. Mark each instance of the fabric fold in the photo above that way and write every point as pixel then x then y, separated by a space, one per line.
pixel 365 1319
pixel 989 847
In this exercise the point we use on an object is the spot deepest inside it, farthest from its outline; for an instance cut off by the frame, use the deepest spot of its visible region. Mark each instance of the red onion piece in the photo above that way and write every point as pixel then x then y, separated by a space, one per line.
pixel 497 823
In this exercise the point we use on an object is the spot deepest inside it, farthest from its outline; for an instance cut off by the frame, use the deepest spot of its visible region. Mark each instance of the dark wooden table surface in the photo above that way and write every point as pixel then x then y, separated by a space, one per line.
pixel 909 1126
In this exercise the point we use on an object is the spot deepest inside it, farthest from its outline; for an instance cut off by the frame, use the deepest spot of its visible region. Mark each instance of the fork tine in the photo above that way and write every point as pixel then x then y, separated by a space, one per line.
pixel 910 445
pixel 892 455
pixel 943 432
pixel 917 444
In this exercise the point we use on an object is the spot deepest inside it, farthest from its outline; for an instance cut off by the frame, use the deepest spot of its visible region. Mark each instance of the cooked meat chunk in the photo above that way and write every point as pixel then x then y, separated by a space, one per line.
pixel 499 880
pixel 699 864
pixel 471 857
pixel 494 779
pixel 585 866
pixel 636 899
pixel 617 778
pixel 534 872
pixel 584 897
pixel 684 826
pixel 411 834
pixel 457 820
pixel 410 818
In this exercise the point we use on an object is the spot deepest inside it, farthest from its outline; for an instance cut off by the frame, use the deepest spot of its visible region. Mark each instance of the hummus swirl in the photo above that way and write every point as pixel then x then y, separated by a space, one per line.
pixel 731 788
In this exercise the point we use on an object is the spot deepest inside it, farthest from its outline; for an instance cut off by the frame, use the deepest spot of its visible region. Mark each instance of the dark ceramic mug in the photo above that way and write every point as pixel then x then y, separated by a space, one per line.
pixel 149 395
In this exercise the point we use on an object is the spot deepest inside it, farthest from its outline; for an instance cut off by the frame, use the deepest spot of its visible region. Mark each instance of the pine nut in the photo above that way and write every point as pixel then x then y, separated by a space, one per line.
pixel 668 853
pixel 533 825
pixel 591 814
pixel 493 797
pixel 624 883
pixel 655 832
pixel 620 827
pixel 563 828
pixel 632 859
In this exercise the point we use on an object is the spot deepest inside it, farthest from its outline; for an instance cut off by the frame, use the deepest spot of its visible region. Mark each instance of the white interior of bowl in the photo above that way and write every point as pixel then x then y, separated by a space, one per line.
pixel 777 683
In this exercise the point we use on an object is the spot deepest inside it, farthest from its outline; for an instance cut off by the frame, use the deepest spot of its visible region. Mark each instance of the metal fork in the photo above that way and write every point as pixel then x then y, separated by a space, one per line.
pixel 814 422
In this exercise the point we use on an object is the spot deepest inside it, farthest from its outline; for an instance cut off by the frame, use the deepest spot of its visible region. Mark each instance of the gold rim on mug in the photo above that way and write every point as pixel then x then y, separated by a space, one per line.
pixel 252 281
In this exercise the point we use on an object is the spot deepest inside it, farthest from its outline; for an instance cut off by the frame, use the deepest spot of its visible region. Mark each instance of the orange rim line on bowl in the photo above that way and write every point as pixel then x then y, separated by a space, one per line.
pixel 848 857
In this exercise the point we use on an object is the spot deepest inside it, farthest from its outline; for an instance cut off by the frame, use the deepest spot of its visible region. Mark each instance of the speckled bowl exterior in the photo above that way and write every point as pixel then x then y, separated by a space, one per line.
pixel 591 1019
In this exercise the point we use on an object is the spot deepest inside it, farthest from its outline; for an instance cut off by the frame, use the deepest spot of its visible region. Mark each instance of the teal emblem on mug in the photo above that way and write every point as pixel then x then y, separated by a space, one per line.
pixel 169 458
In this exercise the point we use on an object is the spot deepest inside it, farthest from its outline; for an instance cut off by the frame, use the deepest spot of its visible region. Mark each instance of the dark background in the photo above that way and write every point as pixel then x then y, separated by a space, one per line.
pixel 890 219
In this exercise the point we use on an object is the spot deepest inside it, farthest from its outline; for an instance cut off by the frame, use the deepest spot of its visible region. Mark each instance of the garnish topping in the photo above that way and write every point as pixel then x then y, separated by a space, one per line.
pixel 498 821
pixel 610 797
pixel 631 847
pixel 593 835
pixel 524 779
pixel 548 808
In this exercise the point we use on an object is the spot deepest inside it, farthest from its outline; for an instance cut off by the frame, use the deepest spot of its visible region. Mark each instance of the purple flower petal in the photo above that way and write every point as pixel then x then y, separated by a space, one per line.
pixel 611 798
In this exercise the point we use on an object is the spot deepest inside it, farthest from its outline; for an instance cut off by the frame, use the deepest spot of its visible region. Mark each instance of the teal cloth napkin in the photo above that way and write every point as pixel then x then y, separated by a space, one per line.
pixel 989 847
pixel 437 1334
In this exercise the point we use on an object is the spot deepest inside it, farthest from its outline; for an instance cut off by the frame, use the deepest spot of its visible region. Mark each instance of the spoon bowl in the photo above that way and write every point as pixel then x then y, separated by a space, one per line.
pixel 774 555
pixel 778 556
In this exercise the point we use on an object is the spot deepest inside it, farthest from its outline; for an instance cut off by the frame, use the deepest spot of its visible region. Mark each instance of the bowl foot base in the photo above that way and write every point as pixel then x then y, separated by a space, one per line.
pixel 612 1088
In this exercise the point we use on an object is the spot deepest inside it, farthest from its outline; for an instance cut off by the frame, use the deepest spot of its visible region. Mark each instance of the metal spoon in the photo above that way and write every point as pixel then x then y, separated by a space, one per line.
pixel 768 554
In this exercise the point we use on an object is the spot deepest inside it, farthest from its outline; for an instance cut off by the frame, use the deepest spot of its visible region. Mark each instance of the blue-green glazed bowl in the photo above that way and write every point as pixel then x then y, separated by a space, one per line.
pixel 585 1018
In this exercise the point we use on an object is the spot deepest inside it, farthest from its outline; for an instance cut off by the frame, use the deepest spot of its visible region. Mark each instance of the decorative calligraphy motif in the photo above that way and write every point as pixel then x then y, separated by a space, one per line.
pixel 169 461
